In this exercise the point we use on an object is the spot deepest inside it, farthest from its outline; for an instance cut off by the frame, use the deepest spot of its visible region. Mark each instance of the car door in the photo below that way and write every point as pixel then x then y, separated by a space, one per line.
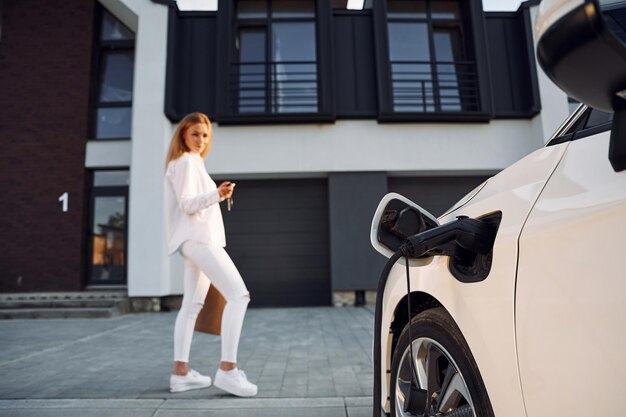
pixel 571 283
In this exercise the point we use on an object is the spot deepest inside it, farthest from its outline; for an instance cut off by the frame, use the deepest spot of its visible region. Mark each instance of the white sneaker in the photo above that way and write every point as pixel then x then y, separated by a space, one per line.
pixel 193 380
pixel 235 382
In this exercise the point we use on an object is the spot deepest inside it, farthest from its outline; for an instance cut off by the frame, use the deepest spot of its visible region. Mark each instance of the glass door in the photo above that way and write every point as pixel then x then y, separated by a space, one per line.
pixel 252 73
pixel 107 233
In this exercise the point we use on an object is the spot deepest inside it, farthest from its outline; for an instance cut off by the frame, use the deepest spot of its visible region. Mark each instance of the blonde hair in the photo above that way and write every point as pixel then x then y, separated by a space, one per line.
pixel 178 146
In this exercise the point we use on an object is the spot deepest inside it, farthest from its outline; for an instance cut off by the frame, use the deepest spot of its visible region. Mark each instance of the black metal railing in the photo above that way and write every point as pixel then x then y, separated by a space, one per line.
pixel 441 86
pixel 273 87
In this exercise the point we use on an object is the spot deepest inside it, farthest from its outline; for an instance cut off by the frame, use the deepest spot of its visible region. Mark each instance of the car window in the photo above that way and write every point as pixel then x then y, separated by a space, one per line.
pixel 591 122
pixel 597 118
pixel 579 124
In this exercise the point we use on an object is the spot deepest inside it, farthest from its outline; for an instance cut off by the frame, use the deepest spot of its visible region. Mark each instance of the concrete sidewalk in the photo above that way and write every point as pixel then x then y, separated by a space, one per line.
pixel 306 362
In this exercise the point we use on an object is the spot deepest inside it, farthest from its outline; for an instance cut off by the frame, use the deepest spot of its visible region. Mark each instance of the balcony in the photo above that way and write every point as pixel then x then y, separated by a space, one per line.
pixel 269 88
pixel 434 87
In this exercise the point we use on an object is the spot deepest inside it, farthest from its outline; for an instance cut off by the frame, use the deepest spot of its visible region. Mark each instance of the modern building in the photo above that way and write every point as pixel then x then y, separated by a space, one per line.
pixel 318 111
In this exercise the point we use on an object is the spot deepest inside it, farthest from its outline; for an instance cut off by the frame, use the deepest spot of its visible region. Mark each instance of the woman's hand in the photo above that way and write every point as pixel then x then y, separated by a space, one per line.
pixel 226 189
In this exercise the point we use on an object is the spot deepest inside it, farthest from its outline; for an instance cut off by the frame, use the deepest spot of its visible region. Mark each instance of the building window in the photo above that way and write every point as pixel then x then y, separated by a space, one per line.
pixel 108 228
pixel 113 89
pixel 431 70
pixel 274 69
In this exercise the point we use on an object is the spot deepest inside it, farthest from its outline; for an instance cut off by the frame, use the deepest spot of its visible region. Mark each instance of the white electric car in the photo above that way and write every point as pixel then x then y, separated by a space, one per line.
pixel 517 304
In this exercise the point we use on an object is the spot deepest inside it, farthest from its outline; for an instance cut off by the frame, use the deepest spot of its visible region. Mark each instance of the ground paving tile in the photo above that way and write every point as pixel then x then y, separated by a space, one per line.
pixel 287 407
pixel 86 367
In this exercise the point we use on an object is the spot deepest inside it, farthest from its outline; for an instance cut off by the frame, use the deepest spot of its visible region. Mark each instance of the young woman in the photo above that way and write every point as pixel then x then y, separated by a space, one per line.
pixel 196 229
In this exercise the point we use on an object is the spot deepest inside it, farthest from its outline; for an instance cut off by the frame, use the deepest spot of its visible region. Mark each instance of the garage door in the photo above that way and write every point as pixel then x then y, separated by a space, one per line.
pixel 435 194
pixel 277 234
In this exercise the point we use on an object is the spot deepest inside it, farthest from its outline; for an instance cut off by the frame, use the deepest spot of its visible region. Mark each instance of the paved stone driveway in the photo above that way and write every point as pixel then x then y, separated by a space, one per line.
pixel 306 361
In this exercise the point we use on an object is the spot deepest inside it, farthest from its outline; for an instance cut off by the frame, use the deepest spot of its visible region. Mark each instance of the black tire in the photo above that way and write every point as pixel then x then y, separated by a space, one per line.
pixel 438 341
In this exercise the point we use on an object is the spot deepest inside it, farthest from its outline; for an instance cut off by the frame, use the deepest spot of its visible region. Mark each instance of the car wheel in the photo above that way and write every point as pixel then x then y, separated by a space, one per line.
pixel 445 369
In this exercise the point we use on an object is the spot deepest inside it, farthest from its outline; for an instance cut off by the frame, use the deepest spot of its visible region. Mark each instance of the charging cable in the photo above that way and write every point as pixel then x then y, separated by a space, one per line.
pixel 415 398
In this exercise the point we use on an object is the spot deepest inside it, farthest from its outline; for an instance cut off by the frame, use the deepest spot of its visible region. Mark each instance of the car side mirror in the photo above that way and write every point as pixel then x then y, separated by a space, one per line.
pixel 617 145
pixel 581 46
pixel 396 219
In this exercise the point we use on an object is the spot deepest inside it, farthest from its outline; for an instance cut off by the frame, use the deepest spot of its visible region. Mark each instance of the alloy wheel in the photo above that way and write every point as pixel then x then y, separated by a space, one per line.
pixel 438 375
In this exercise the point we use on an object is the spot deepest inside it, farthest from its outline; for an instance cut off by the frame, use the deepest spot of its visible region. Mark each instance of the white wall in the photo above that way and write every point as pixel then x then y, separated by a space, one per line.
pixel 148 263
pixel 357 145
pixel 108 154
pixel 148 267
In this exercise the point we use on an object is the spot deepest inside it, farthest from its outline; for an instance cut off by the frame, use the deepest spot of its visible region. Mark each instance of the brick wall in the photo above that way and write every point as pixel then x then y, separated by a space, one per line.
pixel 45 61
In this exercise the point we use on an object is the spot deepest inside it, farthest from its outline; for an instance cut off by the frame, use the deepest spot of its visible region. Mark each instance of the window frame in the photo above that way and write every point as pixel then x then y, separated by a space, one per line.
pixel 104 191
pixel 100 47
pixel 432 25
pixel 267 24
pixel 472 21
pixel 226 32
pixel 569 131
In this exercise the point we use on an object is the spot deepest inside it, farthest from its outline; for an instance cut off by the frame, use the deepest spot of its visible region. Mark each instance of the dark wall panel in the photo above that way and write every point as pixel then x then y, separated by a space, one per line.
pixel 353 199
pixel 354 74
pixel 191 64
pixel 355 65
pixel 435 194
pixel 45 67
pixel 277 235
pixel 512 61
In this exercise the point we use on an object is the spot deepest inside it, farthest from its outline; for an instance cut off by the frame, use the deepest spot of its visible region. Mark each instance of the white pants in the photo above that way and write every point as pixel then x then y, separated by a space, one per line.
pixel 203 261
